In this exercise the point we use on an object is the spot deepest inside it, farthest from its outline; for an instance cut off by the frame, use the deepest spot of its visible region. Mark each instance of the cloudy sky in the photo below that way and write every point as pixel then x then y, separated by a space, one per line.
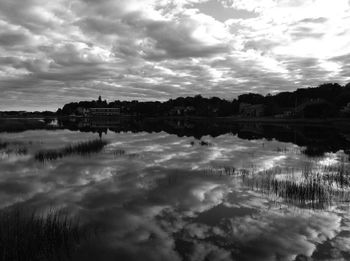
pixel 54 52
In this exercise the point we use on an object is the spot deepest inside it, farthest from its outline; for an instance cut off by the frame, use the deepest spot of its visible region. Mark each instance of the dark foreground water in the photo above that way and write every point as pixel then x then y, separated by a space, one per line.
pixel 180 190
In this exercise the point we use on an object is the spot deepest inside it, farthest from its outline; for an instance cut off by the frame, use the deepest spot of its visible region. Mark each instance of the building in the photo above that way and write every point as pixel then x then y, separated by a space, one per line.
pixel 104 112
pixel 82 111
pixel 182 110
pixel 285 113
pixel 315 108
pixel 251 110
pixel 346 109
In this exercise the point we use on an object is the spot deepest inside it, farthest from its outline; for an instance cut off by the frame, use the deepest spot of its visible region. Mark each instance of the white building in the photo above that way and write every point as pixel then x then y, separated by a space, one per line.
pixel 104 112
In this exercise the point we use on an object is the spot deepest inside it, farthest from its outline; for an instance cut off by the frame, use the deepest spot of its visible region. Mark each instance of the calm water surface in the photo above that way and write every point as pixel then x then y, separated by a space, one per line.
pixel 159 196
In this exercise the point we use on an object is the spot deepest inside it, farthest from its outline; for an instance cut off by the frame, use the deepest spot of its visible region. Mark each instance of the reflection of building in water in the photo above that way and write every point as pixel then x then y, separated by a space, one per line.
pixel 252 128
pixel 104 123
pixel 104 111
pixel 99 122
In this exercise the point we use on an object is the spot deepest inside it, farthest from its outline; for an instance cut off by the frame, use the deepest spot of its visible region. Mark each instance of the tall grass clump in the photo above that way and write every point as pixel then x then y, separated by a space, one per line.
pixel 82 148
pixel 316 189
pixel 225 170
pixel 304 193
pixel 205 143
pixel 28 236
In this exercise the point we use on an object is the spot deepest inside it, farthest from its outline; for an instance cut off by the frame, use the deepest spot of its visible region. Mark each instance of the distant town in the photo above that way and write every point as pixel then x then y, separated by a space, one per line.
pixel 329 100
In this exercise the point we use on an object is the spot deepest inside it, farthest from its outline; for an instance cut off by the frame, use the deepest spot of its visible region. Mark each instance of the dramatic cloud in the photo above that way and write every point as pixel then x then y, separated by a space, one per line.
pixel 56 52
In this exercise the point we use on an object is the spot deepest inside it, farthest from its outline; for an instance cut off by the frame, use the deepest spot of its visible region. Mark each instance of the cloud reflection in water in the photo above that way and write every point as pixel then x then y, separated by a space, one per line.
pixel 162 205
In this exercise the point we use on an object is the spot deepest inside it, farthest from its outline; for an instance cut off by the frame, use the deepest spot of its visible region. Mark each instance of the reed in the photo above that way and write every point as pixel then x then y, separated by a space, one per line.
pixel 338 176
pixel 119 152
pixel 28 236
pixel 133 155
pixel 82 148
pixel 21 151
pixel 316 189
pixel 308 192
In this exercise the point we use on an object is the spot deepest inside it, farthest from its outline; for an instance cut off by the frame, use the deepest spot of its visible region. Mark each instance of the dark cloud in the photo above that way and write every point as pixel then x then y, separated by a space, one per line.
pixel 221 12
pixel 175 41
pixel 302 32
pixel 157 40
pixel 263 45
pixel 306 68
pixel 103 25
pixel 314 20
pixel 344 62
pixel 11 38
pixel 37 16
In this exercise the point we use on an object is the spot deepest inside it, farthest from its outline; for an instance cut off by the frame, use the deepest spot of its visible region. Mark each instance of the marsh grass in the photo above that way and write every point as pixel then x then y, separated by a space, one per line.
pixel 305 193
pixel 28 236
pixel 201 143
pixel 286 150
pixel 18 151
pixel 133 155
pixel 119 152
pixel 6 151
pixel 313 152
pixel 3 145
pixel 205 143
pixel 21 151
pixel 226 170
pixel 82 148
pixel 338 175
pixel 282 149
pixel 315 189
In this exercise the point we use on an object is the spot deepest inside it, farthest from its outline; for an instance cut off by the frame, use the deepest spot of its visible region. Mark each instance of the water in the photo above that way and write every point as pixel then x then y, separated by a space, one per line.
pixel 173 190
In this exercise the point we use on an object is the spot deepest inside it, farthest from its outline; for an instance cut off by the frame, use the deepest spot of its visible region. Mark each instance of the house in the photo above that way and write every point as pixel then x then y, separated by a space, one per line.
pixel 95 112
pixel 82 111
pixel 251 110
pixel 285 113
pixel 182 110
pixel 315 108
pixel 346 109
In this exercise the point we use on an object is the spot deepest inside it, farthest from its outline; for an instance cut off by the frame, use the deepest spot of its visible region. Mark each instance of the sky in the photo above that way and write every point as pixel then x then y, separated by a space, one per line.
pixel 55 52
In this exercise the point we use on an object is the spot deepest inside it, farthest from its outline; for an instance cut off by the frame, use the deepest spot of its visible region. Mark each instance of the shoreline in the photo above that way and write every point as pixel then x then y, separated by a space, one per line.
pixel 234 119
pixel 222 119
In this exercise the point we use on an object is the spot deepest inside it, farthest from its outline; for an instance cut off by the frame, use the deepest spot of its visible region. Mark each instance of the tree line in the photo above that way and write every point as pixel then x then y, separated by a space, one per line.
pixel 326 100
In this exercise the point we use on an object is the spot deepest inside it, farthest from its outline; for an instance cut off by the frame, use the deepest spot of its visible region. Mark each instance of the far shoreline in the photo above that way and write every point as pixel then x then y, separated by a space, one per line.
pixel 213 118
